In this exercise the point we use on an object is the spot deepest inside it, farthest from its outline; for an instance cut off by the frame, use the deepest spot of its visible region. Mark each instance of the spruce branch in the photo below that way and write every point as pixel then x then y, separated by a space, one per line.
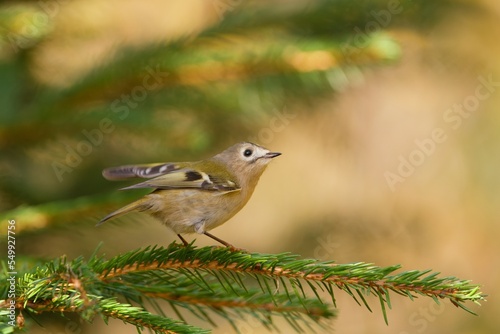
pixel 231 284
pixel 110 308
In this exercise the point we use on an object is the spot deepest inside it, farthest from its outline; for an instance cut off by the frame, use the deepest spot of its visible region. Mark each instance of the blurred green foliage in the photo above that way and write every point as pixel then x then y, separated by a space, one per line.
pixel 172 99
pixel 185 98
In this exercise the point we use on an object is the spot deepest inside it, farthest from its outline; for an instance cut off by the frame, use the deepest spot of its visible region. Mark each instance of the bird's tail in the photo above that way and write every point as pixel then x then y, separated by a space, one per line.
pixel 137 205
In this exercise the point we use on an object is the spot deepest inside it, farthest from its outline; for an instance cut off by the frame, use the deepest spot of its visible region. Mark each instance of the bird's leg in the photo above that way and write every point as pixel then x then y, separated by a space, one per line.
pixel 183 240
pixel 227 244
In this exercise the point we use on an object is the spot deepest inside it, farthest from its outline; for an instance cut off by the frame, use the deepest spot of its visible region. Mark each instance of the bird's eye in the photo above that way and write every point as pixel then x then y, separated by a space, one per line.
pixel 248 152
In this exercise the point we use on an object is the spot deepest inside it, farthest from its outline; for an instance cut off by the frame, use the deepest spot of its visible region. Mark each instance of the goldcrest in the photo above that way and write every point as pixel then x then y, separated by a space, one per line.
pixel 196 197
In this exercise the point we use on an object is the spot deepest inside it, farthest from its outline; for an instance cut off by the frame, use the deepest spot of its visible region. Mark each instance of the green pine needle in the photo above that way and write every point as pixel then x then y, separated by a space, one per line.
pixel 231 284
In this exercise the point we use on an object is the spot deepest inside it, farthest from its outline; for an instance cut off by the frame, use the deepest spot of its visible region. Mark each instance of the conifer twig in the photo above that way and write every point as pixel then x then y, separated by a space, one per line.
pixel 220 281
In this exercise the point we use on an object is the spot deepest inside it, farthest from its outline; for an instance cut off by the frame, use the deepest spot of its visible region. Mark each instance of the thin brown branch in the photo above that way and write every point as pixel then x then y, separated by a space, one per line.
pixel 43 306
pixel 338 280
pixel 136 322
pixel 48 306
pixel 234 304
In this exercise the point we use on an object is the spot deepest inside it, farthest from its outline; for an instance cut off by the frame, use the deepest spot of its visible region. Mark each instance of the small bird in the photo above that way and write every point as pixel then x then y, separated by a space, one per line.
pixel 197 196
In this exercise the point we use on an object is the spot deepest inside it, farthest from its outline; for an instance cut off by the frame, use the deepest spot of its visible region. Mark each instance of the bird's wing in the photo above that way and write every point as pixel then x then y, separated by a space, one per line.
pixel 174 175
pixel 188 178
pixel 147 171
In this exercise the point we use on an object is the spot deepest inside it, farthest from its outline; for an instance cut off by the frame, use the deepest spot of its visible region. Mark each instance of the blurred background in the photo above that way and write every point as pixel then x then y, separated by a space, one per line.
pixel 385 112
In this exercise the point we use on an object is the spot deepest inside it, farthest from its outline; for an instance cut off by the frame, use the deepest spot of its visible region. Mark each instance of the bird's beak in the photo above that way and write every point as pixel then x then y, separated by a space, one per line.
pixel 270 155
